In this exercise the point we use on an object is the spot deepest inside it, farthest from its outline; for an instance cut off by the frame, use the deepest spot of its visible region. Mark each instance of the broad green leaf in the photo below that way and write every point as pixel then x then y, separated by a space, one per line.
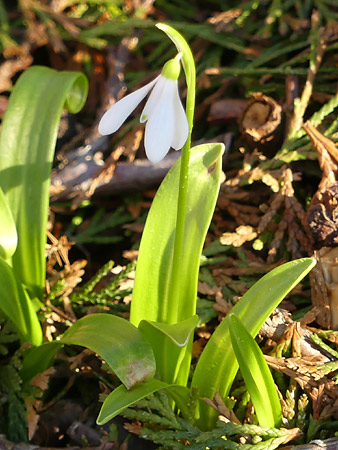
pixel 17 306
pixel 217 366
pixel 118 342
pixel 39 359
pixel 114 339
pixel 121 398
pixel 8 234
pixel 153 274
pixel 182 397
pixel 256 374
pixel 167 342
pixel 178 333
pixel 27 143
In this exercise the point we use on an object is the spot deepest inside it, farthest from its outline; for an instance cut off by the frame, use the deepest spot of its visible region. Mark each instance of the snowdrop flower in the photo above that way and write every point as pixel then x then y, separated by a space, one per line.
pixel 167 124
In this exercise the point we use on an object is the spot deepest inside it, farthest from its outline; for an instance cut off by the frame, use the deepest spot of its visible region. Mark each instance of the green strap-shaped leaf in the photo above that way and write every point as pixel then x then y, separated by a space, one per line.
pixel 39 359
pixel 170 344
pixel 178 333
pixel 256 374
pixel 27 144
pixel 217 366
pixel 153 274
pixel 118 342
pixel 17 307
pixel 114 339
pixel 8 234
pixel 121 398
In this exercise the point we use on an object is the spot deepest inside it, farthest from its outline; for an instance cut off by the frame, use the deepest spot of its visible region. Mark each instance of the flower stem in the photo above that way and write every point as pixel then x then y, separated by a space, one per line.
pixel 173 314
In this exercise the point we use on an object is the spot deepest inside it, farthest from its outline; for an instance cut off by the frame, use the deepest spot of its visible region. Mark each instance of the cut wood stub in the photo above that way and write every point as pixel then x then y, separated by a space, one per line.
pixel 262 124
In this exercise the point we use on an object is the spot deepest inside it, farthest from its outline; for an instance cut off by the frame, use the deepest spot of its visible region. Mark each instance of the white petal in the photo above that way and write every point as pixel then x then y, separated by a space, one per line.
pixel 181 131
pixel 153 98
pixel 118 113
pixel 161 125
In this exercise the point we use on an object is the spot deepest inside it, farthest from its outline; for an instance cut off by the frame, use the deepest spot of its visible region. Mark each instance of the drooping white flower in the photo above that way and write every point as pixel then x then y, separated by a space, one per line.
pixel 166 121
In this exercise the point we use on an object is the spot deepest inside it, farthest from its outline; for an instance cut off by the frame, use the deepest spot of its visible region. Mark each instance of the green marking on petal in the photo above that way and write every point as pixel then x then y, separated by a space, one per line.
pixel 171 69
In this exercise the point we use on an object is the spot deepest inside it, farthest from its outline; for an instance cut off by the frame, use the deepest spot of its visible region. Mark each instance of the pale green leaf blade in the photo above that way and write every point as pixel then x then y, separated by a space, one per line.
pixel 182 397
pixel 114 339
pixel 154 267
pixel 27 143
pixel 8 234
pixel 17 306
pixel 121 398
pixel 39 359
pixel 178 333
pixel 118 342
pixel 256 374
pixel 217 366
pixel 170 344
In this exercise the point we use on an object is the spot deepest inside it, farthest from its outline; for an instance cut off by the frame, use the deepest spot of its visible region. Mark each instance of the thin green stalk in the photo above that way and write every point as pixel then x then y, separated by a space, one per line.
pixel 172 315
pixel 173 310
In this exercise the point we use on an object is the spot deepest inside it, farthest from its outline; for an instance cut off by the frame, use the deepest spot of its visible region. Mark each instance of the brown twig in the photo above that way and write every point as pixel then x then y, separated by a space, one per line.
pixel 298 114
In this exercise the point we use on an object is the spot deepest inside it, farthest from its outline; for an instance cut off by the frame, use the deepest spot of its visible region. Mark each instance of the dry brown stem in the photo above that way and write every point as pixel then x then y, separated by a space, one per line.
pixel 227 415
pixel 298 115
